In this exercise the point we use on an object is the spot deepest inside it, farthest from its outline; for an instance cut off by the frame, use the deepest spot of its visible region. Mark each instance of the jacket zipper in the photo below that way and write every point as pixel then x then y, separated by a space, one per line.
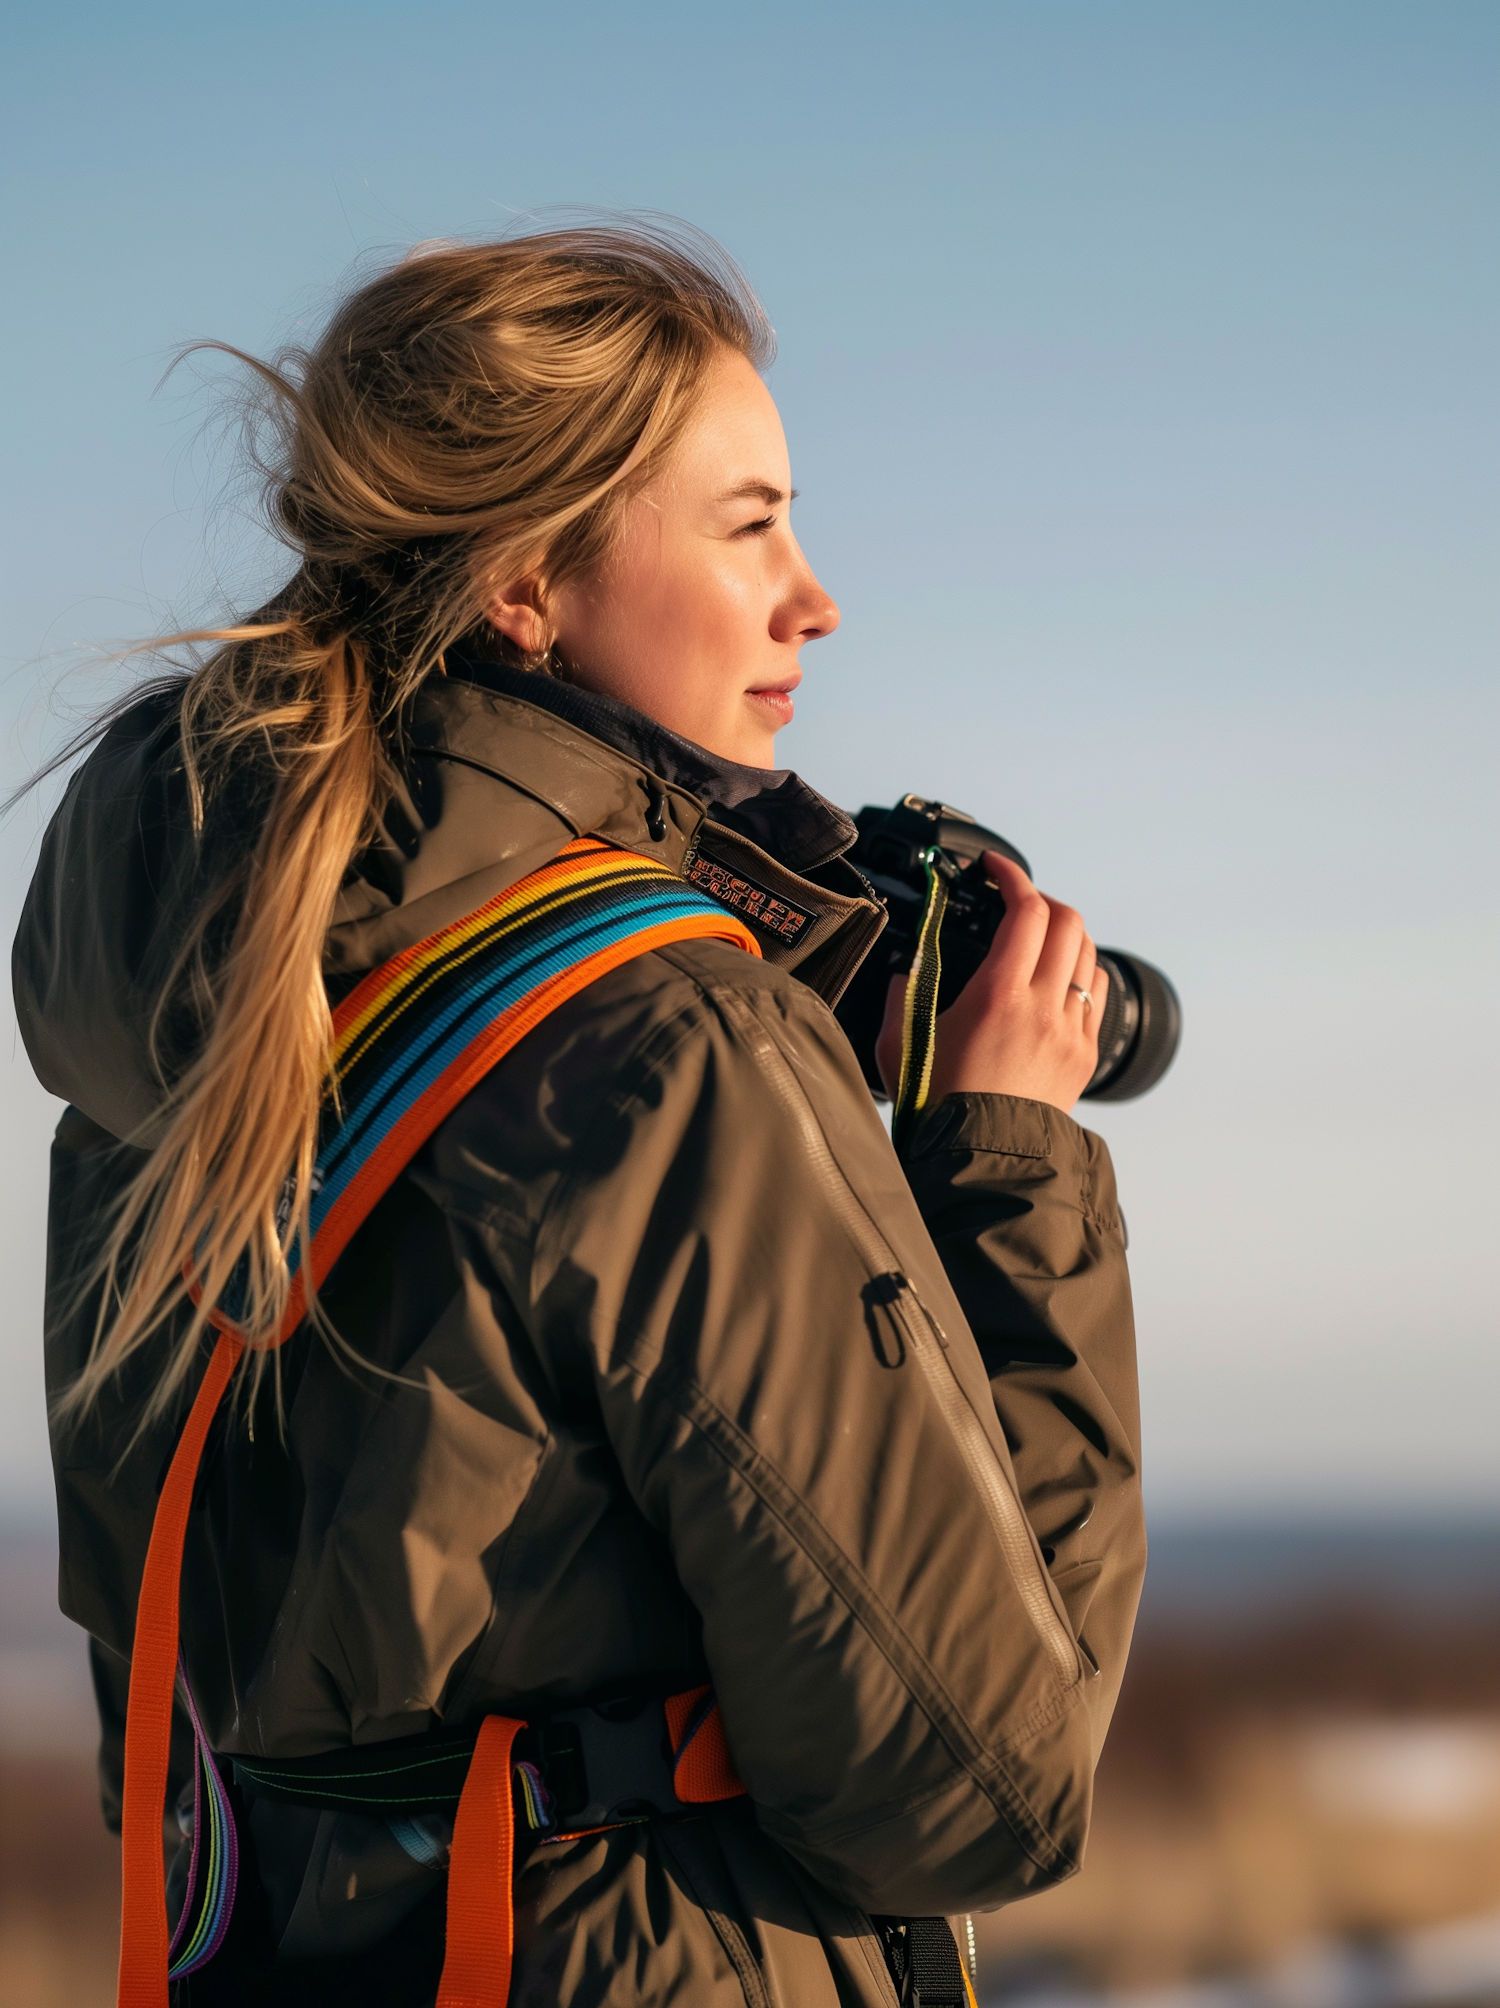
pixel 928 1342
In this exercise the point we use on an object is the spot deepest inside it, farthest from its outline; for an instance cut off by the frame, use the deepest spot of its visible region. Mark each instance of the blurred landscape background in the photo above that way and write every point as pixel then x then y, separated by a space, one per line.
pixel 1299 1805
pixel 1140 361
pixel 1300 1798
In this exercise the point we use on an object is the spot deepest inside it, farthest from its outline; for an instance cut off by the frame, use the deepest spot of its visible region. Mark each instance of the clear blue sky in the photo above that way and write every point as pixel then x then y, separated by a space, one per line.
pixel 1140 367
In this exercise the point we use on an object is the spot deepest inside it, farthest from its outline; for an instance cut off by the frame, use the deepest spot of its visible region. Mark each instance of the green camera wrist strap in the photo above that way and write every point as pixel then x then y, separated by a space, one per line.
pixel 919 1013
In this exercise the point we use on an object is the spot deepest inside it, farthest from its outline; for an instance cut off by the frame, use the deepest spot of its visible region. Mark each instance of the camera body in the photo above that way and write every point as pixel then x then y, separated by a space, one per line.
pixel 1141 1019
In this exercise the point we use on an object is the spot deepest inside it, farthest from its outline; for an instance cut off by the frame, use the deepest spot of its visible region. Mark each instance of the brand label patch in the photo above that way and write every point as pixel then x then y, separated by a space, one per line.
pixel 746 897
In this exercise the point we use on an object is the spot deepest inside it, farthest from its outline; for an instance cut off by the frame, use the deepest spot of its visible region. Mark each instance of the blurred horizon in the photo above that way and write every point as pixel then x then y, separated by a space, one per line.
pixel 1298 1805
pixel 1138 365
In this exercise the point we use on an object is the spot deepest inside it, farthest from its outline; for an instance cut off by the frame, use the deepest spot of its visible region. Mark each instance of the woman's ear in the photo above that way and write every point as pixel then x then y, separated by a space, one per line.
pixel 516 612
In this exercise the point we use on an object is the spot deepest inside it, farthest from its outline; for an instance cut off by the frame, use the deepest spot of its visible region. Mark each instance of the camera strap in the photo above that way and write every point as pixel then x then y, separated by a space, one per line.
pixel 919 1011
pixel 410 1042
pixel 925 1964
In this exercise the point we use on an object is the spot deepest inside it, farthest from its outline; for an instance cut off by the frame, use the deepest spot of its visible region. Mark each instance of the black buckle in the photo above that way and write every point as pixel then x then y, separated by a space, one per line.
pixel 606 1764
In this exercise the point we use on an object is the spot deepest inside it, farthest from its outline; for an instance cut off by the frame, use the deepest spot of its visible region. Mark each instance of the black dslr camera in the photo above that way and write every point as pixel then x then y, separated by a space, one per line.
pixel 1141 1020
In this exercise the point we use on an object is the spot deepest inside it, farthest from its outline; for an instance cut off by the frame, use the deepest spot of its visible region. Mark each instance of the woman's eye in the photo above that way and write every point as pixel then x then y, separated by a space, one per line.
pixel 758 528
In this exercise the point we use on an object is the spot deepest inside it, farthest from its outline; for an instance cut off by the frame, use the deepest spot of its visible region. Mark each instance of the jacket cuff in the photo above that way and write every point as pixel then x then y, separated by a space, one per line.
pixel 1007 1125
pixel 1005 1142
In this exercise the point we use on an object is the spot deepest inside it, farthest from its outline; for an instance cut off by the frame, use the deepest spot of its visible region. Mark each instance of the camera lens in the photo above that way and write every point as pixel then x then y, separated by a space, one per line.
pixel 1138 1029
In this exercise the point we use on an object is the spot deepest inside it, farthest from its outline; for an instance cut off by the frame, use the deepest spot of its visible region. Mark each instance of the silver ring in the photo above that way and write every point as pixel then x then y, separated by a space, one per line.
pixel 1088 1002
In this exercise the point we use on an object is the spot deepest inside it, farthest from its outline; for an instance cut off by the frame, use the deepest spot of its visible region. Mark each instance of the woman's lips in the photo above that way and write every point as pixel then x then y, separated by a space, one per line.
pixel 777 699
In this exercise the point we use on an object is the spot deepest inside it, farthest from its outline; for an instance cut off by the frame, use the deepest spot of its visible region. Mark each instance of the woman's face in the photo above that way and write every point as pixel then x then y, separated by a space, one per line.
pixel 699 613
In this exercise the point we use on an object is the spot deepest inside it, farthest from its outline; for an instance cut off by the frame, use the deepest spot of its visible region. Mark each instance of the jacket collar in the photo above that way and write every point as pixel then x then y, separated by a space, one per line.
pixel 503 766
pixel 773 807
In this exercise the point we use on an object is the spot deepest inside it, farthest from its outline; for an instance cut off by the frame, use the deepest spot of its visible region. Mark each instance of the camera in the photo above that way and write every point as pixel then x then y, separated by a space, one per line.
pixel 1141 1019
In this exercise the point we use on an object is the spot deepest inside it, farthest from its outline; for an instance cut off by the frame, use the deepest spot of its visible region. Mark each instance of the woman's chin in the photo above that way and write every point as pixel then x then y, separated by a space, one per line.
pixel 760 720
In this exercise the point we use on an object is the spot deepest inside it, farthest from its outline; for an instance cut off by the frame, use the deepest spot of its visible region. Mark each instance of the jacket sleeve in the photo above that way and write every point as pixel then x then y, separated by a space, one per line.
pixel 797 1405
pixel 106 1468
pixel 1020 1202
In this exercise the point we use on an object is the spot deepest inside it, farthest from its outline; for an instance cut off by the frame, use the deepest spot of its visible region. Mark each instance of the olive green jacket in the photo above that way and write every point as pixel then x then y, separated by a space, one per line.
pixel 668 1369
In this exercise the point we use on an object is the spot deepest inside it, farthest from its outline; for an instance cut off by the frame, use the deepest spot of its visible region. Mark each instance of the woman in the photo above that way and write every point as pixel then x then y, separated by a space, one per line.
pixel 654 1378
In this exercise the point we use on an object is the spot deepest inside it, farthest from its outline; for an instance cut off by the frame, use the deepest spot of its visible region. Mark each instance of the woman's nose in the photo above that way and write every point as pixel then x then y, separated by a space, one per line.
pixel 806 613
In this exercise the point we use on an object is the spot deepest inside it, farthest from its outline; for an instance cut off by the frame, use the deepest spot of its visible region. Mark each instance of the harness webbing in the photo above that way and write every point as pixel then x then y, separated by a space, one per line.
pixel 409 1043
pixel 481 1922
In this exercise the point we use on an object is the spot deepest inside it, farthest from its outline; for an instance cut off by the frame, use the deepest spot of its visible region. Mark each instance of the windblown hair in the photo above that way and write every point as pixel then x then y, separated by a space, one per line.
pixel 473 417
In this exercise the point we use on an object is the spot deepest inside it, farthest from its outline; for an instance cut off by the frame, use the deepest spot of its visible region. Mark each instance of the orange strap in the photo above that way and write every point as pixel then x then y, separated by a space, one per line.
pixel 481 1864
pixel 380 1172
pixel 148 1714
pixel 481 1923
pixel 703 1772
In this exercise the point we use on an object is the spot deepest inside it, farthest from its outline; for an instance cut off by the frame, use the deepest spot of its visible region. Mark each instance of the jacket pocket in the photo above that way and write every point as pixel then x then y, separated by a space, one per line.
pixel 925 1341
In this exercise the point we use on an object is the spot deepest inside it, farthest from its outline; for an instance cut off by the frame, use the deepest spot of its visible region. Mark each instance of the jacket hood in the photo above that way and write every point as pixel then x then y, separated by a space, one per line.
pixel 120 882
pixel 502 768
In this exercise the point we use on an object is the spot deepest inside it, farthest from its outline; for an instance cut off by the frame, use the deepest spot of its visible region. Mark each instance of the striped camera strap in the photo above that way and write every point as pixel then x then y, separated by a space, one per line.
pixel 410 1042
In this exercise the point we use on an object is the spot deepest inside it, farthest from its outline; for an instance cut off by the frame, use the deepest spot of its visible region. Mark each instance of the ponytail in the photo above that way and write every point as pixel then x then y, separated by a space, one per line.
pixel 229 1183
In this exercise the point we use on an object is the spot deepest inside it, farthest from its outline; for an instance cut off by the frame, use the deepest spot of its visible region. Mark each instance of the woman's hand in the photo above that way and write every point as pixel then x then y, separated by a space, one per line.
pixel 1020 1026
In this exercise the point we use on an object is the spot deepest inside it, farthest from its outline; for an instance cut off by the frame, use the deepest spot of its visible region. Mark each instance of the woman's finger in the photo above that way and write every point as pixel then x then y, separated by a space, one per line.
pixel 1022 933
pixel 1055 964
pixel 1087 993
pixel 1080 984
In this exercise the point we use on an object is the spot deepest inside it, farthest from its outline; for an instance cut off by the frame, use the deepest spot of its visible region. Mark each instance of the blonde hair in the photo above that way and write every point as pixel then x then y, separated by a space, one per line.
pixel 472 417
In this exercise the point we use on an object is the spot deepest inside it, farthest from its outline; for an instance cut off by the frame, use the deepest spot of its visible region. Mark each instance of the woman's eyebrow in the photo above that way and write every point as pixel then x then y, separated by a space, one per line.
pixel 767 491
